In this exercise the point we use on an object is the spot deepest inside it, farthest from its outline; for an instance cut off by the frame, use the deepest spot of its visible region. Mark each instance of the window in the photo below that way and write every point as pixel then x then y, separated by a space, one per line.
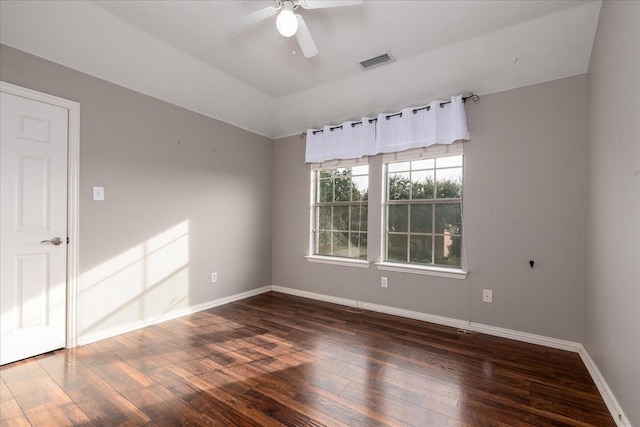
pixel 340 208
pixel 423 211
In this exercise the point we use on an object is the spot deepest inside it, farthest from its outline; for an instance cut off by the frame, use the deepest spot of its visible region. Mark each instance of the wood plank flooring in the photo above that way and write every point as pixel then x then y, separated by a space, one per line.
pixel 275 360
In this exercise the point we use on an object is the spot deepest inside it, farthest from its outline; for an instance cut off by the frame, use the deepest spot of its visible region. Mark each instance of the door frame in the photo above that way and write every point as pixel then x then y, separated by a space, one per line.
pixel 73 198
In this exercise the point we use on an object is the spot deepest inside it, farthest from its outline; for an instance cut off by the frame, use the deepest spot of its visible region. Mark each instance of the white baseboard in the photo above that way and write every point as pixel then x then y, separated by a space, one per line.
pixel 526 337
pixel 129 327
pixel 607 395
pixel 313 295
pixel 447 321
pixel 440 320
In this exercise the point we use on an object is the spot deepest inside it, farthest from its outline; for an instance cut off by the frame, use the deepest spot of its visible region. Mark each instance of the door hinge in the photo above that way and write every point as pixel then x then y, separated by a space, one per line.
pixel 67 240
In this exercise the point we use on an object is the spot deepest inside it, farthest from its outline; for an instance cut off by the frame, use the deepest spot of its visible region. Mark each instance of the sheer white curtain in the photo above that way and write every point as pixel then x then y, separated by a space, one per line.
pixel 436 123
pixel 440 122
pixel 350 140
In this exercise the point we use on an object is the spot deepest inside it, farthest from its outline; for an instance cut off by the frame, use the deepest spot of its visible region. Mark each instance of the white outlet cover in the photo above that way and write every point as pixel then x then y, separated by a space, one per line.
pixel 98 193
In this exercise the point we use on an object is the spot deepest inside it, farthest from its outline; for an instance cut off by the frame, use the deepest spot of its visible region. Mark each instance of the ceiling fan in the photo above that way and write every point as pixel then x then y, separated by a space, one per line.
pixel 289 23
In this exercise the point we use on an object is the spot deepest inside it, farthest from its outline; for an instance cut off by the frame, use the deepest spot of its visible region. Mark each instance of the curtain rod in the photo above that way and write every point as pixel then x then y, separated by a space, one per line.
pixel 471 96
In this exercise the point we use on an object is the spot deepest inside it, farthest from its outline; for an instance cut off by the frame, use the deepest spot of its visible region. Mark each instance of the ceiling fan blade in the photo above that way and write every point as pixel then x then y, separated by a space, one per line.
pixel 320 4
pixel 249 20
pixel 305 40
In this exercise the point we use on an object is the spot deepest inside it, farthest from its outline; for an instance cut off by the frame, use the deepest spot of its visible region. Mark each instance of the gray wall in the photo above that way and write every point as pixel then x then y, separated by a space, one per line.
pixel 185 195
pixel 612 291
pixel 525 187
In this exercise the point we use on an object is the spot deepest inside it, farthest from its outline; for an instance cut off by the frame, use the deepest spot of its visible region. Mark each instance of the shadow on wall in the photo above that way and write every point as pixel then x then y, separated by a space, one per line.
pixel 147 280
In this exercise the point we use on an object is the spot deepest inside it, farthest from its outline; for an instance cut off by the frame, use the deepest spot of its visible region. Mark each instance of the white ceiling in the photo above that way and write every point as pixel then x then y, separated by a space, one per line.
pixel 177 51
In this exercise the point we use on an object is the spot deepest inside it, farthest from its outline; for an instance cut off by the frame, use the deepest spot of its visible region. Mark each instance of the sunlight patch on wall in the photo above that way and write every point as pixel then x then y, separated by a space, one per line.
pixel 166 253
pixel 147 280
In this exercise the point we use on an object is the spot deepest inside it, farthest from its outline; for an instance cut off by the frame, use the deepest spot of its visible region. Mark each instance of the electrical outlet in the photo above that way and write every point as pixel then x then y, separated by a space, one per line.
pixel 98 193
pixel 487 295
pixel 214 277
pixel 384 282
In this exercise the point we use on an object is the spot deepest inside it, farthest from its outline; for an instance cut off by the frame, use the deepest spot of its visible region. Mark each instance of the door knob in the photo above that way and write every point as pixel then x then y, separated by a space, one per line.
pixel 56 241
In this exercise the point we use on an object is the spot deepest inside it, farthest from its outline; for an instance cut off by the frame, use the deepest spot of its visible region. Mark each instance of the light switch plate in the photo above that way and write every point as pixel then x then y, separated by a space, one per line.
pixel 98 193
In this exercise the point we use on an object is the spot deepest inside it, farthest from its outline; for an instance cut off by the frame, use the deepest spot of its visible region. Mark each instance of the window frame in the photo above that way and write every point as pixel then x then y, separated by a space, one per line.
pixel 313 255
pixel 433 152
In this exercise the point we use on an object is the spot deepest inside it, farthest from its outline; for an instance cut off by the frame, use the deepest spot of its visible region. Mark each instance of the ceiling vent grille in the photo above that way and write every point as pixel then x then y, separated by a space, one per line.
pixel 376 61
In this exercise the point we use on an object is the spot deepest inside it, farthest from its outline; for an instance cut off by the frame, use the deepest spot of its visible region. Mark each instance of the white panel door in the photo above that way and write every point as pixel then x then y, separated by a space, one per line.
pixel 33 248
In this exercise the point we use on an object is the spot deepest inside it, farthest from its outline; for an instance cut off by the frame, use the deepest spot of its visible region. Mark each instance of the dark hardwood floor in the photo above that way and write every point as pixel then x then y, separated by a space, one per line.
pixel 275 360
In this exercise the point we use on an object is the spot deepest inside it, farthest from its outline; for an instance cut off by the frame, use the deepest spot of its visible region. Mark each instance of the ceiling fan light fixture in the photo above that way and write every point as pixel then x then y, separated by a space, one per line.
pixel 286 22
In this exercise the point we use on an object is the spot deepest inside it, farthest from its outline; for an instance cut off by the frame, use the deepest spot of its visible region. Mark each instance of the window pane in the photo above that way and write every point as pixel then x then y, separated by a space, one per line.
pixel 342 189
pixel 447 250
pixel 397 249
pixel 363 246
pixel 340 227
pixel 448 218
pixel 421 218
pixel 341 218
pixel 422 185
pixel 398 218
pixel 360 188
pixel 360 170
pixel 417 222
pixel 399 184
pixel 358 218
pixel 358 245
pixel 324 218
pixel 422 164
pixel 324 243
pixel 341 243
pixel 326 190
pixel 445 162
pixel 420 249
pixel 397 167
pixel 449 183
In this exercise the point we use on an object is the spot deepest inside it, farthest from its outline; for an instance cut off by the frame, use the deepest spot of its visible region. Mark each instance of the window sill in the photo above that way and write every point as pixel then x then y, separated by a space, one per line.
pixel 345 262
pixel 429 271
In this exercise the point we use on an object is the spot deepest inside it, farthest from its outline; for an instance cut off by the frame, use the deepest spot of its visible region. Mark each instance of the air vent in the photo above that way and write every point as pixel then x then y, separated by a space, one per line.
pixel 376 61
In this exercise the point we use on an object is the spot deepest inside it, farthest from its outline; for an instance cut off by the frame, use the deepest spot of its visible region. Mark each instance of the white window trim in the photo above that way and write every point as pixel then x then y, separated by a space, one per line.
pixel 342 261
pixel 320 259
pixel 338 163
pixel 430 152
pixel 451 273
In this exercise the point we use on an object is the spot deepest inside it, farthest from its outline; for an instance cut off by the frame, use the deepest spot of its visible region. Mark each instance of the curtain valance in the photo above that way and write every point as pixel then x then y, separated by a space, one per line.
pixel 350 140
pixel 440 122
